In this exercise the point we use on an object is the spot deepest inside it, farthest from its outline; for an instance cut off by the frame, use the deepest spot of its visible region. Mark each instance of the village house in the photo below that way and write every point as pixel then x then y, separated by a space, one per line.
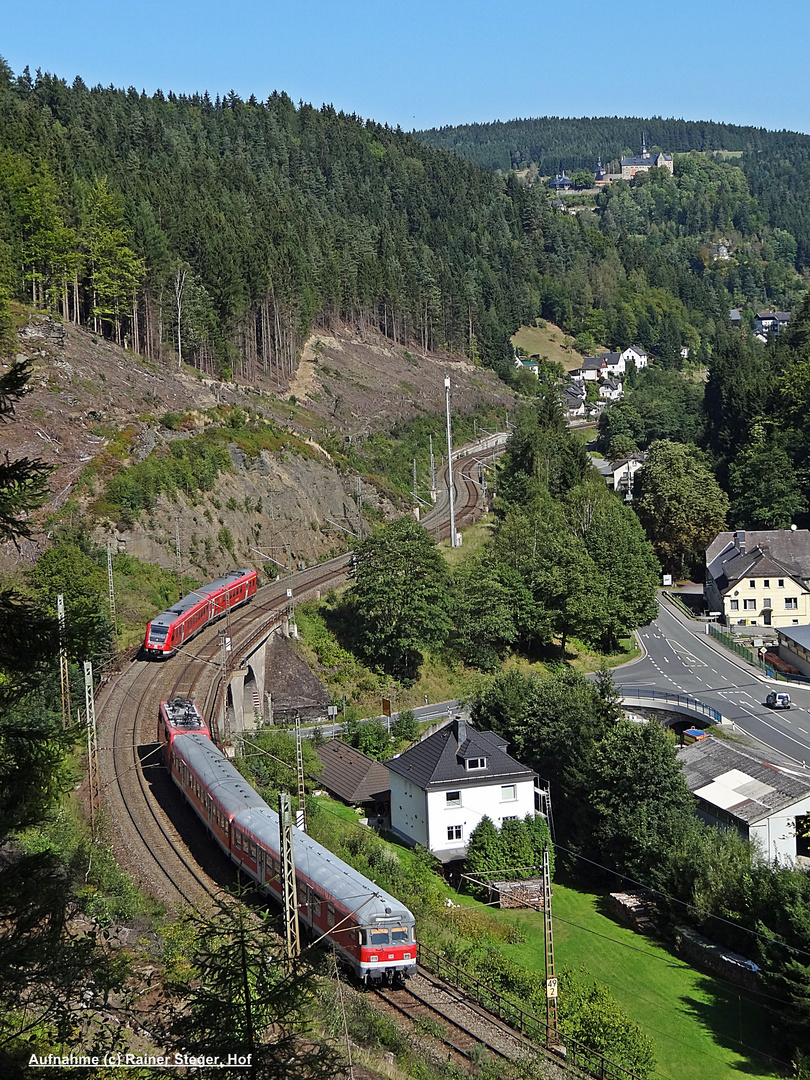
pixel 444 785
pixel 624 471
pixel 760 578
pixel 636 355
pixel 574 401
pixel 771 322
pixel 611 390
pixel 736 318
pixel 764 801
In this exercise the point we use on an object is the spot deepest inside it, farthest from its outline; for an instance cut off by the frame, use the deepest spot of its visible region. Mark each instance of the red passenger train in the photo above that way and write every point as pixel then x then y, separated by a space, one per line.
pixel 372 931
pixel 169 630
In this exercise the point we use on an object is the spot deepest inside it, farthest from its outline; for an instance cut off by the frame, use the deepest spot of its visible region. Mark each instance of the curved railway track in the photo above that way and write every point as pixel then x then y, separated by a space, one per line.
pixel 464 1028
pixel 155 835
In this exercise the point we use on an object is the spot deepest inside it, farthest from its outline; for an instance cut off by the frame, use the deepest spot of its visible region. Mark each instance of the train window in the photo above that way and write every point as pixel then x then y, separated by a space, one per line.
pixel 330 914
pixel 379 937
pixel 400 934
pixel 253 851
pixel 316 906
pixel 238 840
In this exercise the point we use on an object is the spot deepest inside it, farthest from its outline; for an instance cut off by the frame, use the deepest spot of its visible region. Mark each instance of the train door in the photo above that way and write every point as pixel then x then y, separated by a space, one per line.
pixel 260 858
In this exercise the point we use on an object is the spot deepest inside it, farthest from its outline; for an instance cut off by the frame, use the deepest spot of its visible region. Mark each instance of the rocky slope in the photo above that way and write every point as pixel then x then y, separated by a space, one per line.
pixel 93 408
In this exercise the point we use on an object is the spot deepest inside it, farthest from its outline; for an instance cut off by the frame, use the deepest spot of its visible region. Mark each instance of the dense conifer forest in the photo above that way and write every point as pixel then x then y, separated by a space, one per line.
pixel 775 163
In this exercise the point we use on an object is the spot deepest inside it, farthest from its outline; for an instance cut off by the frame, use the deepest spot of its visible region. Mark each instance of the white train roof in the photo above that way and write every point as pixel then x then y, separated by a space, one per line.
pixel 218 774
pixel 332 874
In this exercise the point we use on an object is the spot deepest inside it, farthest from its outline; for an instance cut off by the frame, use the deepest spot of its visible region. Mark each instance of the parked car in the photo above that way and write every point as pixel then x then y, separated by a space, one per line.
pixel 778 700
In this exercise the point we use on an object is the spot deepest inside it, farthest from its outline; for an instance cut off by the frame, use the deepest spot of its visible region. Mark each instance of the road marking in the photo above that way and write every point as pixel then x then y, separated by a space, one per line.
pixel 665 658
pixel 804 729
pixel 714 669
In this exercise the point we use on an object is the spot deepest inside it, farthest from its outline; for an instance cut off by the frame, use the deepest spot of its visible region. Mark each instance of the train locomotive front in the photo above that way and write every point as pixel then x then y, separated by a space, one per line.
pixel 178 624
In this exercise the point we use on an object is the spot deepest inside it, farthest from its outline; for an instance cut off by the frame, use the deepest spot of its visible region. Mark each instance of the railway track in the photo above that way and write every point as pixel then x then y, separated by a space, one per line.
pixel 155 835
pixel 465 1030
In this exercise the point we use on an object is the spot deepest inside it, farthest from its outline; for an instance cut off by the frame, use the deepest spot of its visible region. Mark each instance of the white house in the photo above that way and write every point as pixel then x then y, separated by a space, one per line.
pixel 574 403
pixel 771 322
pixel 611 390
pixel 442 787
pixel 636 355
pixel 765 802
pixel 623 471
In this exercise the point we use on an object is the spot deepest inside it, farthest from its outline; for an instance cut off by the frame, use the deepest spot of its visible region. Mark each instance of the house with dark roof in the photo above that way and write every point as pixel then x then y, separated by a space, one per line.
pixel 766 802
pixel 636 355
pixel 561 182
pixel 760 578
pixel 352 776
pixel 736 317
pixel 611 390
pixel 574 402
pixel 442 787
pixel 771 322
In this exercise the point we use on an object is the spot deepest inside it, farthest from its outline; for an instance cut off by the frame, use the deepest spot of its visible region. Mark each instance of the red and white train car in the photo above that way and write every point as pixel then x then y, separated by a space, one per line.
pixel 372 931
pixel 169 630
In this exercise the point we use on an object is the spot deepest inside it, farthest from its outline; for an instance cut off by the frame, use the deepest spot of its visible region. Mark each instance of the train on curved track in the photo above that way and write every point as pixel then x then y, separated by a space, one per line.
pixel 172 628
pixel 372 931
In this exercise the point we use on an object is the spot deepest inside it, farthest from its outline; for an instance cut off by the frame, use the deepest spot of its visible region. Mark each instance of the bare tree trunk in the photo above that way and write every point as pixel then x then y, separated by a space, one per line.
pixel 179 284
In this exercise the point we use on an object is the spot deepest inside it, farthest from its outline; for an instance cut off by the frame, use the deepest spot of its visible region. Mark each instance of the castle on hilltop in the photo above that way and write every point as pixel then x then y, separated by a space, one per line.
pixel 645 161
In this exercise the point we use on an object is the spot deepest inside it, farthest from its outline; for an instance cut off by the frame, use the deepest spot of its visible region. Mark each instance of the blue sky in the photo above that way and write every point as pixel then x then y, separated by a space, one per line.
pixel 418 63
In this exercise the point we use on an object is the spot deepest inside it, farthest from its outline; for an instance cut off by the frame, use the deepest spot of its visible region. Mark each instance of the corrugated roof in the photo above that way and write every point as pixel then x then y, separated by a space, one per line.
pixel 439 760
pixel 735 779
pixel 350 774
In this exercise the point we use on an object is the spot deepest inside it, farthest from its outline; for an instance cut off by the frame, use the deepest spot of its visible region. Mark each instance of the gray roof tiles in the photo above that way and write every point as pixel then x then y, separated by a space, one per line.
pixel 435 762
pixel 351 774
pixel 774 552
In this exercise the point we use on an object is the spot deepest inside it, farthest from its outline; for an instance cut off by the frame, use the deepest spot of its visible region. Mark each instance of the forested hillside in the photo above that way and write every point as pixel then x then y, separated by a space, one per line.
pixel 776 163
pixel 221 231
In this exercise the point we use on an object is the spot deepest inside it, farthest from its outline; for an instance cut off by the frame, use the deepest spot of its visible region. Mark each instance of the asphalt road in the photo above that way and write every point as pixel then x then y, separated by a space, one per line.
pixel 682 658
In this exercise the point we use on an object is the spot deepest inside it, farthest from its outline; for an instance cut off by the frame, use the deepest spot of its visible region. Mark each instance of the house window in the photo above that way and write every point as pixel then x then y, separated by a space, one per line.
pixel 766 583
pixel 752 584
pixel 453 832
pixel 781 582
pixel 791 603
pixel 508 793
pixel 767 602
pixel 734 605
pixel 749 605
pixel 453 798
pixel 476 763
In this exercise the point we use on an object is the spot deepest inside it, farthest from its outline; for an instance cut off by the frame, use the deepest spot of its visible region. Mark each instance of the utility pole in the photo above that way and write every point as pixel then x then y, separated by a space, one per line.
pixel 415 497
pixel 64 673
pixel 224 649
pixel 179 561
pixel 290 594
pixel 111 585
pixel 301 812
pixel 433 492
pixel 289 891
pixel 360 504
pixel 451 493
pixel 92 747
pixel 552 1033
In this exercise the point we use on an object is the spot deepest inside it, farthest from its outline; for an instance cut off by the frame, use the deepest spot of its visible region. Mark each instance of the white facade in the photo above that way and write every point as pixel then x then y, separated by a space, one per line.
pixel 636 355
pixel 611 390
pixel 442 820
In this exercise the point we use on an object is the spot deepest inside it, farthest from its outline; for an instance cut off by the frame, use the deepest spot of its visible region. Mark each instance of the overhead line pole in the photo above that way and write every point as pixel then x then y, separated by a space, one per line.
pixel 450 491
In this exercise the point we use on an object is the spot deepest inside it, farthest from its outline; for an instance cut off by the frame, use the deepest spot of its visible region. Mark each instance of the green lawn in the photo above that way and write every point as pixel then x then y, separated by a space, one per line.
pixel 696 1022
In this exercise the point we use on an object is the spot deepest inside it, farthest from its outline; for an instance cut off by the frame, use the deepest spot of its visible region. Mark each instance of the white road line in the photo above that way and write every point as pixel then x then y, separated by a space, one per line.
pixel 804 729
pixel 714 669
